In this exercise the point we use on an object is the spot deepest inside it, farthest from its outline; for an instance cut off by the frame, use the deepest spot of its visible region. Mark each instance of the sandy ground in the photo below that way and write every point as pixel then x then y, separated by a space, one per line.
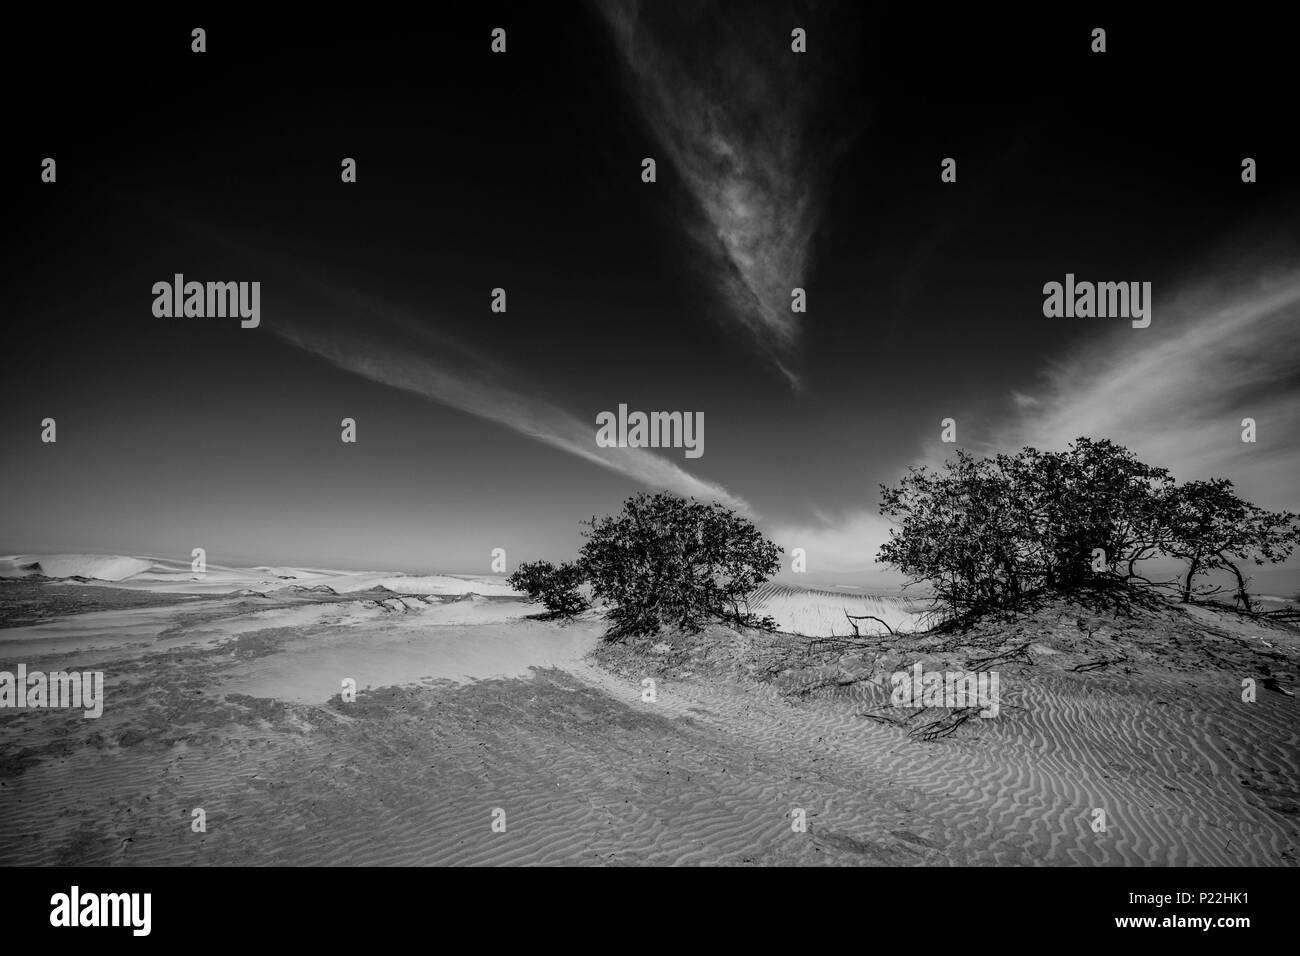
pixel 477 712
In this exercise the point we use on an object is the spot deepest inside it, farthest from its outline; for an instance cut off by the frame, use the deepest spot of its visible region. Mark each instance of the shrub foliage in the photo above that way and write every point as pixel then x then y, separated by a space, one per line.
pixel 669 561
pixel 987 531
pixel 555 587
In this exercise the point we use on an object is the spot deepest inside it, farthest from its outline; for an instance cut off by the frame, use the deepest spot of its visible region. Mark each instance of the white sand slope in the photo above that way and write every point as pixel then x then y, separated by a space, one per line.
pixel 104 567
pixel 820 613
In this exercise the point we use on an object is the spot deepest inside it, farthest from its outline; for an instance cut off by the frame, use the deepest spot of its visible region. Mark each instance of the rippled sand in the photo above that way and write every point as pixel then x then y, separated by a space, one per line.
pixel 230 705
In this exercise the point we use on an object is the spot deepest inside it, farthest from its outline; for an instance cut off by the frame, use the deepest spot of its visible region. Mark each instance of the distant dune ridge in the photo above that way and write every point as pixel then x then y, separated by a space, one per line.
pixel 810 611
pixel 104 567
pixel 166 575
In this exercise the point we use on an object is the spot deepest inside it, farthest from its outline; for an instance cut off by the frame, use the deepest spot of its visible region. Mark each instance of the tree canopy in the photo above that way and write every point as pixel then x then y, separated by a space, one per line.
pixel 986 531
pixel 666 560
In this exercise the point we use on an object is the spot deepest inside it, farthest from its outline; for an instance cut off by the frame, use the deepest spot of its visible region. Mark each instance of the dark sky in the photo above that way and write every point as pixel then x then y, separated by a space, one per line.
pixel 522 171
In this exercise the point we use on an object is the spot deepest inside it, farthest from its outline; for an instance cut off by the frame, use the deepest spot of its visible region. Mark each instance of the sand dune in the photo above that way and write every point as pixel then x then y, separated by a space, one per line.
pixel 1186 772
pixel 167 575
pixel 230 703
pixel 105 567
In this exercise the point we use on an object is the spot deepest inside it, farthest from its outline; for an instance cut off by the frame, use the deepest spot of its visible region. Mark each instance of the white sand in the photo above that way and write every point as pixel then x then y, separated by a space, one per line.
pixel 221 703
pixel 821 613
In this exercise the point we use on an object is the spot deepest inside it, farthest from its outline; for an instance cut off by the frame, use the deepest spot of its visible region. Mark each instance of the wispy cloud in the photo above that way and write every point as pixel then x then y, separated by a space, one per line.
pixel 366 336
pixel 727 99
pixel 392 349
pixel 1176 393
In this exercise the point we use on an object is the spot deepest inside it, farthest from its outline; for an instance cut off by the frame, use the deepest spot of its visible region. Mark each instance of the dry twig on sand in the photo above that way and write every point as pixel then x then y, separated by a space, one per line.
pixel 854 618
pixel 1097 664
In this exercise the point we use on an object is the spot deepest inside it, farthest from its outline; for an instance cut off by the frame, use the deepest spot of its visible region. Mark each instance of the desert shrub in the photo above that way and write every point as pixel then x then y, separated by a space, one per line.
pixel 555 587
pixel 956 529
pixel 670 561
pixel 1094 497
pixel 1215 530
pixel 987 531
